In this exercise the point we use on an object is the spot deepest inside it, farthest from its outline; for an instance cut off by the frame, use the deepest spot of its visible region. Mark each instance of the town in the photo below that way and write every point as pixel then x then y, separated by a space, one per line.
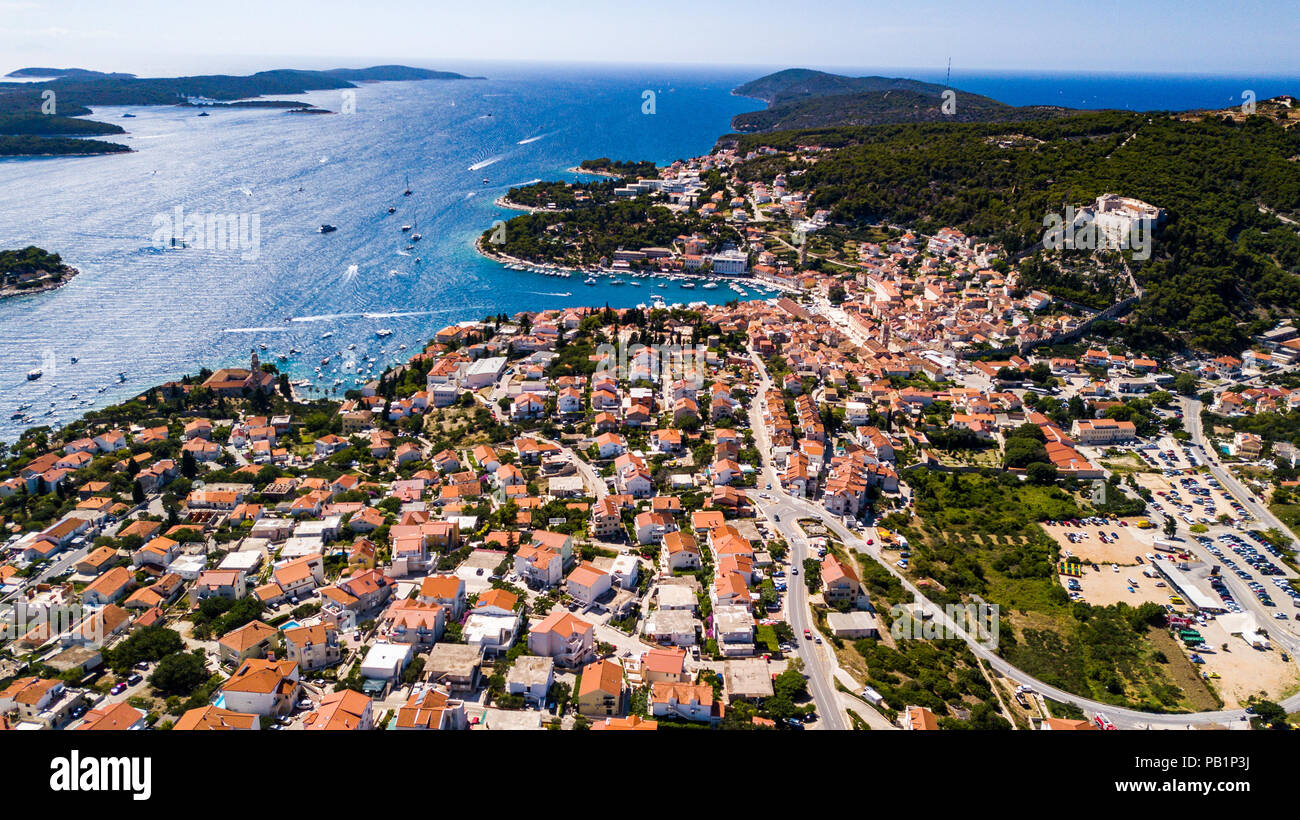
pixel 733 516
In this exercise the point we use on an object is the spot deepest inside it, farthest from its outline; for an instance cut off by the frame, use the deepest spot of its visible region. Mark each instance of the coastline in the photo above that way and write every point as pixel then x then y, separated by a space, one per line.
pixel 506 259
pixel 11 292
pixel 579 170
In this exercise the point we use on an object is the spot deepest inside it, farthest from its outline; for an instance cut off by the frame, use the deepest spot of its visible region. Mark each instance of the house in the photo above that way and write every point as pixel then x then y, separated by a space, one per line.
pixel 445 590
pixel 115 717
pixel 263 687
pixel 687 701
pixel 431 709
pixel 840 584
pixel 531 677
pixel 587 583
pixel 652 526
pixel 680 552
pixel 664 665
pixel 600 691
pixel 454 666
pixel 219 583
pixel 252 640
pixel 108 588
pixel 312 647
pixel 214 718
pixel 346 710
pixel 493 623
pixel 414 622
pixel 97 561
pixel 567 639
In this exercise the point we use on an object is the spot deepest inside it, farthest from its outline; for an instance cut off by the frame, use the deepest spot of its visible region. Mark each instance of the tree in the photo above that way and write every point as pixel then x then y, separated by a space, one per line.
pixel 1041 473
pixel 179 674
pixel 1185 383
pixel 1171 527
pixel 189 468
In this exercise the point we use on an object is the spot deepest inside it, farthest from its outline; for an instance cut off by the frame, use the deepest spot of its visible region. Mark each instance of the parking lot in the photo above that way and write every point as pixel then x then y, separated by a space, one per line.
pixel 1101 541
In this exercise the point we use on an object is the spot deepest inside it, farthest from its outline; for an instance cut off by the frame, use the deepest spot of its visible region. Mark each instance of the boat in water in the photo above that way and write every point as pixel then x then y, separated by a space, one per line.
pixel 33 375
pixel 689 285
pixel 383 332
pixel 327 228
pixel 589 281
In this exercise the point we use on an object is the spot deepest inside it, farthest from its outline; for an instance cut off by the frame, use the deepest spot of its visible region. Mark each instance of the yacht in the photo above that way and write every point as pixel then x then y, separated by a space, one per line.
pixel 590 280
pixel 121 377
pixel 406 229
pixel 74 359
pixel 327 228
pixel 33 375
pixel 327 334
pixel 383 332
pixel 352 346
pixel 391 209
pixel 690 285
pixel 707 285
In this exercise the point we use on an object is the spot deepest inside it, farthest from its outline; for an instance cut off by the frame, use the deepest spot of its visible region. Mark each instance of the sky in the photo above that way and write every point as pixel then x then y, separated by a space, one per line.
pixel 167 37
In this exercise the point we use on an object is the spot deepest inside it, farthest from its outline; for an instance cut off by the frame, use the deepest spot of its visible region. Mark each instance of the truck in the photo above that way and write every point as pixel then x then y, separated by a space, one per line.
pixel 1165 546
pixel 872 696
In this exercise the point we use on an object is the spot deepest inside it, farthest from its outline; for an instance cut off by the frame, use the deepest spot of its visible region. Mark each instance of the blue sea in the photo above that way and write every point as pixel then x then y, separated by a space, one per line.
pixel 157 313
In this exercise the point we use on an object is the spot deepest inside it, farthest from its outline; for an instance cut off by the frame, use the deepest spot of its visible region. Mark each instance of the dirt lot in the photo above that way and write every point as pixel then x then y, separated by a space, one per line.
pixel 1121 551
pixel 1245 671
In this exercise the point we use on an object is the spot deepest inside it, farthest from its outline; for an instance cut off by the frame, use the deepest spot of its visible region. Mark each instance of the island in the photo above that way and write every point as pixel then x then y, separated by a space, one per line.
pixel 26 131
pixel 32 270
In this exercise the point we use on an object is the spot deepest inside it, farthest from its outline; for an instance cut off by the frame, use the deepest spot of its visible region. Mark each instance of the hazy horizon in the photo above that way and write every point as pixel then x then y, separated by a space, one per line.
pixel 155 38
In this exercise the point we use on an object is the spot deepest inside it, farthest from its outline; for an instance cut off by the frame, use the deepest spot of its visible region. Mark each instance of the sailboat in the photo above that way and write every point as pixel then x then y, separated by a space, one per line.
pixel 408 190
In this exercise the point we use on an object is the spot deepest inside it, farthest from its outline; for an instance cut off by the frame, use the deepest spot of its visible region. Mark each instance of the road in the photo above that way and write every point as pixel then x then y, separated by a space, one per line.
pixel 783 512
pixel 790 508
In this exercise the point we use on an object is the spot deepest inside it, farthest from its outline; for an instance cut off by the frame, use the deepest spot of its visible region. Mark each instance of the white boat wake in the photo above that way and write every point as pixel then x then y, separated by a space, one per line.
pixel 478 166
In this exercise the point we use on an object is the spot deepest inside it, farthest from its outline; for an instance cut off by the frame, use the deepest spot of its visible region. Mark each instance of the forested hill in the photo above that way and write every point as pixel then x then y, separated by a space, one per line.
pixel 802 98
pixel 1223 265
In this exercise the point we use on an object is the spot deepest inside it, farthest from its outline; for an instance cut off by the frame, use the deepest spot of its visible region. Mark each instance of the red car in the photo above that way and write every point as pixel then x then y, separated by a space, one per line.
pixel 118 688
pixel 807 635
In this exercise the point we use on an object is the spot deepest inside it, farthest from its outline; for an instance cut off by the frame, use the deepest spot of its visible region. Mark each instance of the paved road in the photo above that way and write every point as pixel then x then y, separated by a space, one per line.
pixel 787 506
pixel 829 709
